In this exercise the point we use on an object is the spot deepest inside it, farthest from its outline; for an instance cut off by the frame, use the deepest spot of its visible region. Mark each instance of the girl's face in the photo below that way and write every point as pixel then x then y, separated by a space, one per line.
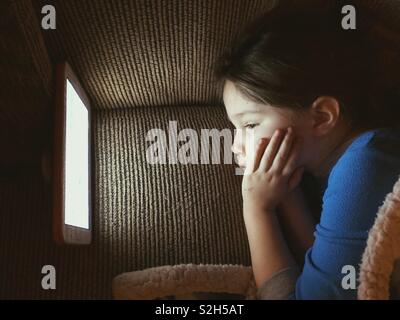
pixel 263 119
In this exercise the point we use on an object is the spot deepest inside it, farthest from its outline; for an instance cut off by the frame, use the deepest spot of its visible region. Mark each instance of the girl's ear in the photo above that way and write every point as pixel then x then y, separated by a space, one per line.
pixel 325 113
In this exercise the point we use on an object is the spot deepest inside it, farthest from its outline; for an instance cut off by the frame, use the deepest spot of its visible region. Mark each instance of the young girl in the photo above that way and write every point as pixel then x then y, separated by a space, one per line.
pixel 318 101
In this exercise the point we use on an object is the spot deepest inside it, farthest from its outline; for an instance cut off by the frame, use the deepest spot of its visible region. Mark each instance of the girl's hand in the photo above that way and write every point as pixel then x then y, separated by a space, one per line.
pixel 271 173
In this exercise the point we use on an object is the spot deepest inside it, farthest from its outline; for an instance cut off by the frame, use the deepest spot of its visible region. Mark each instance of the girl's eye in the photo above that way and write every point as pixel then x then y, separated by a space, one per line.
pixel 251 125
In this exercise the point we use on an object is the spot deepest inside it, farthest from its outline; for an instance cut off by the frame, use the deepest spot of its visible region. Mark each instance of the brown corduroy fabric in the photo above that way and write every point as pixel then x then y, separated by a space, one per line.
pixel 26 246
pixel 25 83
pixel 25 69
pixel 159 53
pixel 169 214
pixel 144 215
pixel 146 53
pixel 127 53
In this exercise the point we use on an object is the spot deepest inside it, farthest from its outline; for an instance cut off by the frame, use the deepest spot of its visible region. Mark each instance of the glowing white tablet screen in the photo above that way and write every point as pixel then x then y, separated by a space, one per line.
pixel 76 161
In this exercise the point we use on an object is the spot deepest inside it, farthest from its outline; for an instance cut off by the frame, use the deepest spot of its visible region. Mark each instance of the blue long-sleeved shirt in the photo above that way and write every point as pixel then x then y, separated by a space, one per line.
pixel 355 189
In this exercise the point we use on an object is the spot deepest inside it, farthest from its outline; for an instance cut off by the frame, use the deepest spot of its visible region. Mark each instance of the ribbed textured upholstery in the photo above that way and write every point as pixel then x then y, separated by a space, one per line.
pixel 127 53
pixel 159 52
pixel 25 83
pixel 26 246
pixel 147 53
pixel 145 215
pixel 166 213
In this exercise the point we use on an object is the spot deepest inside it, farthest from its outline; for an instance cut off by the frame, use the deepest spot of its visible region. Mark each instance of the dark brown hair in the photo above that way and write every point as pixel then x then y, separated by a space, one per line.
pixel 288 59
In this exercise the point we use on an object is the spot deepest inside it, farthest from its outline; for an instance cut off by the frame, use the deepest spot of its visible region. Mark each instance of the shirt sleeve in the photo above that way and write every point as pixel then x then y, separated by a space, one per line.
pixel 357 187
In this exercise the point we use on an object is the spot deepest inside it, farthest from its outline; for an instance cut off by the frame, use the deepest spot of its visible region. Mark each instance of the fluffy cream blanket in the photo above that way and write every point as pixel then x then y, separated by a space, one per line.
pixel 382 252
pixel 186 281
pixel 377 279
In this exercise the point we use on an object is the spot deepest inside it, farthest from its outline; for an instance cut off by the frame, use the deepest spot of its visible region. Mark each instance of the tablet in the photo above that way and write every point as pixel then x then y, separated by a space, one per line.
pixel 72 206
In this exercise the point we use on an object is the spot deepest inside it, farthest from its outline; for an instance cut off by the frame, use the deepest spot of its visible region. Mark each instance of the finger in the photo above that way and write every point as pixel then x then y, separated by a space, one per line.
pixel 262 144
pixel 250 151
pixel 292 162
pixel 271 150
pixel 283 153
pixel 295 178
pixel 255 156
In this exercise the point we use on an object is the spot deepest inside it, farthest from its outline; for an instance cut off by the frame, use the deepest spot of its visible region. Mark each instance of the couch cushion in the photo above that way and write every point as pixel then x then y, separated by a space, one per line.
pixel 146 53
pixel 144 215
pixel 131 53
pixel 156 214
pixel 25 83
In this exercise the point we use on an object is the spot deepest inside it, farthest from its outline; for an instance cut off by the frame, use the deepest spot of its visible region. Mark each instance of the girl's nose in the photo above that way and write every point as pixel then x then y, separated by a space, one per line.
pixel 234 149
pixel 237 147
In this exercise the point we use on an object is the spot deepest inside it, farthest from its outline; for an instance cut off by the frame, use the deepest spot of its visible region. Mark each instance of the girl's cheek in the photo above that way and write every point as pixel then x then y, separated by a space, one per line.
pixel 248 138
pixel 251 140
pixel 267 129
pixel 306 152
